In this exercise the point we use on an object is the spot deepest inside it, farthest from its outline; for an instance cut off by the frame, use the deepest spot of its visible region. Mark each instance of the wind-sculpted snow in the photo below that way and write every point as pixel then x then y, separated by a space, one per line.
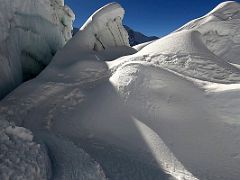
pixel 220 30
pixel 171 110
pixel 31 33
pixel 186 54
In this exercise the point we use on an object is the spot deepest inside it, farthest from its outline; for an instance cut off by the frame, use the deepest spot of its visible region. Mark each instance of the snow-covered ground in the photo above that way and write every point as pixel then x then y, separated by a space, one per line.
pixel 167 109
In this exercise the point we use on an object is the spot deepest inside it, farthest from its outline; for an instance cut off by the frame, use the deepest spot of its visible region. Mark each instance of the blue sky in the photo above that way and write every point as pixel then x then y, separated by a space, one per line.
pixel 152 17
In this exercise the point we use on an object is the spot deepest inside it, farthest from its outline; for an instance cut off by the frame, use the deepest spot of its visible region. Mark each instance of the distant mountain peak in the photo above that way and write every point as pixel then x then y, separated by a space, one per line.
pixel 136 38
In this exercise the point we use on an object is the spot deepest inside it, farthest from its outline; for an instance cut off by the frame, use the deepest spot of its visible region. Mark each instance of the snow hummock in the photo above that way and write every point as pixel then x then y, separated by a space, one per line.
pixel 32 31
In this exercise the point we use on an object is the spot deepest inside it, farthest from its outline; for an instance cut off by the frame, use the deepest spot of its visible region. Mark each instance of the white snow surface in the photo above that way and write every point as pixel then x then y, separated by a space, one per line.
pixel 169 111
pixel 31 33
pixel 220 30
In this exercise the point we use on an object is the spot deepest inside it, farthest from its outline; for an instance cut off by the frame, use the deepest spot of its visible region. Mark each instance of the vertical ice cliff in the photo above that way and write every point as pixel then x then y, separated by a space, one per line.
pixel 103 29
pixel 31 32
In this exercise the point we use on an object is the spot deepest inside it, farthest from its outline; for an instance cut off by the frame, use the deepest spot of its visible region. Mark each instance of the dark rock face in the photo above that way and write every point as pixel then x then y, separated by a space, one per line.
pixel 136 38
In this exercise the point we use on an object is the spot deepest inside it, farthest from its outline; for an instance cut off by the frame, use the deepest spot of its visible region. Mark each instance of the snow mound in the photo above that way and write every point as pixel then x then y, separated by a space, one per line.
pixel 32 32
pixel 220 30
pixel 21 158
pixel 185 53
pixel 173 107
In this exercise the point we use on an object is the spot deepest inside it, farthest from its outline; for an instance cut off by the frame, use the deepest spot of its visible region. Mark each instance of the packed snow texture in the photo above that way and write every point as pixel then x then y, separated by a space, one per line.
pixel 31 33
pixel 21 158
pixel 168 111
pixel 220 30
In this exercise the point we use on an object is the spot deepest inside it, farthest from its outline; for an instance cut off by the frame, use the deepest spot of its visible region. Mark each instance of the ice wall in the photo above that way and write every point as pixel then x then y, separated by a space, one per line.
pixel 31 32
pixel 103 29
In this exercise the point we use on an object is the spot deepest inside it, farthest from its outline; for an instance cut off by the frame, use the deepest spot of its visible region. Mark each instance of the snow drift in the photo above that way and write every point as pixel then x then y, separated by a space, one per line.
pixel 31 33
pixel 171 110
pixel 164 86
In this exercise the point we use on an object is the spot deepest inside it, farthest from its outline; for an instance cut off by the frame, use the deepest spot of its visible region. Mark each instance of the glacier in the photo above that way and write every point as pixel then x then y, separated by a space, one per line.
pixel 165 109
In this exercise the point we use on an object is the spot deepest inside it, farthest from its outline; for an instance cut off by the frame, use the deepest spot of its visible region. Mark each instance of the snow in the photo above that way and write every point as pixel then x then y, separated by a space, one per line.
pixel 69 161
pixel 21 158
pixel 20 132
pixel 220 30
pixel 142 45
pixel 168 109
pixel 197 126
pixel 31 33
pixel 185 53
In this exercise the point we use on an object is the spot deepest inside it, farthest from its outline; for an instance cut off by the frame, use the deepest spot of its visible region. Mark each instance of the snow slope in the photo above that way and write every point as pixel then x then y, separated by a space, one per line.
pixel 220 30
pixel 31 33
pixel 166 84
pixel 168 111
pixel 67 73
